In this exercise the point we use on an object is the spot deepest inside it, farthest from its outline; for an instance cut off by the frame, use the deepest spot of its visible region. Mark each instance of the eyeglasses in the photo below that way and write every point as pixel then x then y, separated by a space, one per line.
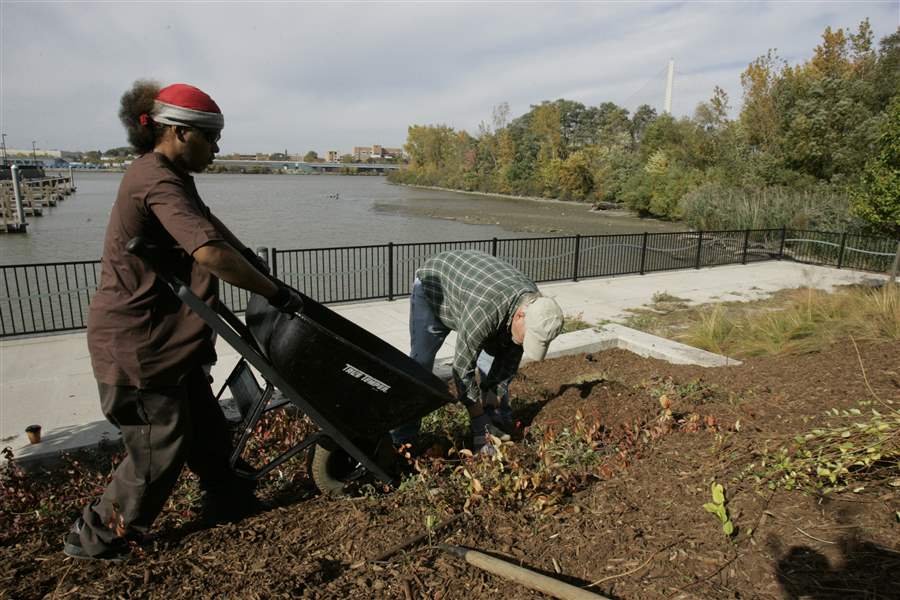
pixel 212 135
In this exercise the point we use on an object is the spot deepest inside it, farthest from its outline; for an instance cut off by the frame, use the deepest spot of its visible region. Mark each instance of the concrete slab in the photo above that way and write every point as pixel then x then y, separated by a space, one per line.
pixel 47 380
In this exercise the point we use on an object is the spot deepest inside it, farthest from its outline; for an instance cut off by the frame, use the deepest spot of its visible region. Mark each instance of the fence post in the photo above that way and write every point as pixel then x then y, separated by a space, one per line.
pixel 746 244
pixel 896 264
pixel 274 264
pixel 577 251
pixel 783 238
pixel 699 247
pixel 390 270
pixel 263 253
pixel 494 247
pixel 841 251
pixel 643 252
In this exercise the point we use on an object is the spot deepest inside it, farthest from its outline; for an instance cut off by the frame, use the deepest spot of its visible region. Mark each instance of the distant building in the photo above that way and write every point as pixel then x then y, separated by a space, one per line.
pixel 332 156
pixel 361 152
pixel 377 151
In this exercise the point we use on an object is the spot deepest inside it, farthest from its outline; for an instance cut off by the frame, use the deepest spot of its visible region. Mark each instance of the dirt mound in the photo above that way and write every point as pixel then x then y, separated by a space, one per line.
pixel 608 487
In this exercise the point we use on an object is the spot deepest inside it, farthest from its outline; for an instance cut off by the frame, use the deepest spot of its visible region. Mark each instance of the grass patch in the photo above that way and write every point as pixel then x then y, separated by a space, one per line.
pixel 574 323
pixel 800 320
pixel 665 297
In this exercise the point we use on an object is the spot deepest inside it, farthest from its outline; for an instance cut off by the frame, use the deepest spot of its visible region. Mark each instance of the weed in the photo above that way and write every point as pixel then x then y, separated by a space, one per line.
pixel 666 303
pixel 695 390
pixel 451 420
pixel 574 323
pixel 717 507
pixel 644 320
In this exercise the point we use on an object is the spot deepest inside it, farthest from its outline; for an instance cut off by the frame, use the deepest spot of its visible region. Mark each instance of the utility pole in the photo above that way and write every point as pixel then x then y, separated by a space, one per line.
pixel 33 155
pixel 669 80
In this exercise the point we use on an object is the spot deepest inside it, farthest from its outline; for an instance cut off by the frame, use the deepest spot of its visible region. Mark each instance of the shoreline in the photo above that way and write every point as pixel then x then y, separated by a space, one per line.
pixel 494 194
pixel 610 212
pixel 531 215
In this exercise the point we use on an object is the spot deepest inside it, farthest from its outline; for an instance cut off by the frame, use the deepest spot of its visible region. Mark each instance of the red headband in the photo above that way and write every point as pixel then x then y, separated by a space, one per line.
pixel 182 104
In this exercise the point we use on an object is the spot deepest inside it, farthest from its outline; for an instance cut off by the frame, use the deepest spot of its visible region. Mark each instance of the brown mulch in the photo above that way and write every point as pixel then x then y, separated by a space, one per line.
pixel 638 530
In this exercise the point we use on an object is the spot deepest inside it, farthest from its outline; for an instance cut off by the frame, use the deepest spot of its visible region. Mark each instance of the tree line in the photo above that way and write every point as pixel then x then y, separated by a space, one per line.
pixel 813 145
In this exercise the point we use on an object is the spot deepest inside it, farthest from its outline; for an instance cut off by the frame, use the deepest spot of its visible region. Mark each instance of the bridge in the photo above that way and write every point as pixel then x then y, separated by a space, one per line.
pixel 278 165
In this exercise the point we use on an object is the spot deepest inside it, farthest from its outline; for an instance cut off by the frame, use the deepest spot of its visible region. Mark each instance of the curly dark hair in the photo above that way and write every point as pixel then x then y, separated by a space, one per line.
pixel 136 102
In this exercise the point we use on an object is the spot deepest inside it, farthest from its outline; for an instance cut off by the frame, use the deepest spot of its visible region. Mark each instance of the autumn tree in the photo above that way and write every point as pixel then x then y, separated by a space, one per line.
pixel 877 199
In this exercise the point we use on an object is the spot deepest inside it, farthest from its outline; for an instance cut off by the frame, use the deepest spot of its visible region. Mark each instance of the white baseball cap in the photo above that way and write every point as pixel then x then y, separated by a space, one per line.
pixel 543 322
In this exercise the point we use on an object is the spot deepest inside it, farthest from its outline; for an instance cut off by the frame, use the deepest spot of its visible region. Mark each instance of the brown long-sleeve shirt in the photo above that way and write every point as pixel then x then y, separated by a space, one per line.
pixel 139 332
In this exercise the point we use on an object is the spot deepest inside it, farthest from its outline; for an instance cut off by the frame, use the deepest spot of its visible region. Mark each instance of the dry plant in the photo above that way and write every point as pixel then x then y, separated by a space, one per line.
pixel 809 320
pixel 856 449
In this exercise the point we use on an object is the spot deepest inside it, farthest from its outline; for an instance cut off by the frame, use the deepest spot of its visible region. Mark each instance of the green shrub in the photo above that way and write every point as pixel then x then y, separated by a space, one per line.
pixel 714 206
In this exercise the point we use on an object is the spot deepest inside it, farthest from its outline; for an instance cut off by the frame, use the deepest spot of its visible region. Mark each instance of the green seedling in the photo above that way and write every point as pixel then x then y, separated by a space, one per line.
pixel 717 507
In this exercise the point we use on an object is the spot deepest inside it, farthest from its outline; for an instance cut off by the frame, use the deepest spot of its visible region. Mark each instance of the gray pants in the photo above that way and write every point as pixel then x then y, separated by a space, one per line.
pixel 162 429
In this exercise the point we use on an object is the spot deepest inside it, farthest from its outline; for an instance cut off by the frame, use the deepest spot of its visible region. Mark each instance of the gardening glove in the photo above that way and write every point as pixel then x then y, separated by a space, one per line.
pixel 482 430
pixel 254 259
pixel 287 300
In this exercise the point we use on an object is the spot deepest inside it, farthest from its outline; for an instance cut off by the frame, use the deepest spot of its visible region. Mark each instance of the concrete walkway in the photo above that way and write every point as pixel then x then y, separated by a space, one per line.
pixel 47 380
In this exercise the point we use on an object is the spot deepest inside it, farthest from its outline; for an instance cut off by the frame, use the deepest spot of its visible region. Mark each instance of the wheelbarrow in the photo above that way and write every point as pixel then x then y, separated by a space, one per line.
pixel 353 386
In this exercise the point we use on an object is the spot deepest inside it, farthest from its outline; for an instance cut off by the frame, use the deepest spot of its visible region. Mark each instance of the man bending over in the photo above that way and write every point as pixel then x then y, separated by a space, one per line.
pixel 497 313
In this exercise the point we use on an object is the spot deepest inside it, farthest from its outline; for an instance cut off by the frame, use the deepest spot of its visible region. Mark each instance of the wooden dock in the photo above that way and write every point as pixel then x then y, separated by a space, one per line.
pixel 38 197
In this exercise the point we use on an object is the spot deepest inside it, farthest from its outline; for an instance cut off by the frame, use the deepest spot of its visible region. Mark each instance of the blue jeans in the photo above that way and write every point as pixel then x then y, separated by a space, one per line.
pixel 426 336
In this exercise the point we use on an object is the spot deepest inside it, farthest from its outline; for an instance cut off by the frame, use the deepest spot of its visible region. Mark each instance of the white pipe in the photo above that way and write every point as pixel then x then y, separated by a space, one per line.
pixel 521 575
pixel 669 81
pixel 17 191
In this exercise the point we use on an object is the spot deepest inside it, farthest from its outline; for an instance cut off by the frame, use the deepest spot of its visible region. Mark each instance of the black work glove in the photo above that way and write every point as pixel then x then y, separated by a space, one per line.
pixel 254 259
pixel 287 300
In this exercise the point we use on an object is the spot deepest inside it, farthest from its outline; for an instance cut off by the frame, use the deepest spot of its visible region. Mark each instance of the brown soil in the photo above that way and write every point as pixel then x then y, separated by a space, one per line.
pixel 634 523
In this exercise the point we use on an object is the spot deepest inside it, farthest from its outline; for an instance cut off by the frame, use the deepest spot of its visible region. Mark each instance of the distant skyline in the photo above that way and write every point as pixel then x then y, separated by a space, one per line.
pixel 329 76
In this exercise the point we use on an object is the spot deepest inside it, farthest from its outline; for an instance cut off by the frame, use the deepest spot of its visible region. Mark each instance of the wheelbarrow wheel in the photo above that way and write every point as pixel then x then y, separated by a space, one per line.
pixel 333 470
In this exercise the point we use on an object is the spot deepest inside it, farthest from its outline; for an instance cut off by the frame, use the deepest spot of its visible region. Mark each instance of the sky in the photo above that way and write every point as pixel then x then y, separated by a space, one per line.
pixel 321 76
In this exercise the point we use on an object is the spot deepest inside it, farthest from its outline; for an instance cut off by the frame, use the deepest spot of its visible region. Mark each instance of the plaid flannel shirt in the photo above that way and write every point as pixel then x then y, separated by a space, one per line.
pixel 476 295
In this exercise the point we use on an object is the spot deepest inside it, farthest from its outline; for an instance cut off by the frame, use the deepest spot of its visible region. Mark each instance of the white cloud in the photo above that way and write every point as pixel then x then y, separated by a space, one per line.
pixel 331 76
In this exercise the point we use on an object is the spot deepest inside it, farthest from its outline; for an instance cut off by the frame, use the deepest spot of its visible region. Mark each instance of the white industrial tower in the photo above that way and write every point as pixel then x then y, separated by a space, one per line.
pixel 667 108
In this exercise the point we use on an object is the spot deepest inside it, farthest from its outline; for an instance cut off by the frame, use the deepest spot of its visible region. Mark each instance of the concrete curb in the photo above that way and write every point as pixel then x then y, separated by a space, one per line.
pixel 643 344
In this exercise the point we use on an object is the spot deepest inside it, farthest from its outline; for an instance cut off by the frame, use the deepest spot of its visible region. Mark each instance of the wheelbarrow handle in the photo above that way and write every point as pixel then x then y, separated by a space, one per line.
pixel 156 258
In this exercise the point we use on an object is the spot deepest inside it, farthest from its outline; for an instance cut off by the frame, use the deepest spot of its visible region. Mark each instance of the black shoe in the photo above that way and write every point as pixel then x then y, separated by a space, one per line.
pixel 72 547
pixel 229 508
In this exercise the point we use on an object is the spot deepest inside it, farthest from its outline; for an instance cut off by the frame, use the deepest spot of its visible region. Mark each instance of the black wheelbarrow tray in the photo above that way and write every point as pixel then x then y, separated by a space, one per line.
pixel 353 385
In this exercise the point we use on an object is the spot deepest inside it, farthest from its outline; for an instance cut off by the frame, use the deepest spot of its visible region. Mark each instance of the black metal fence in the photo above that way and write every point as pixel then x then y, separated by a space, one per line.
pixel 51 297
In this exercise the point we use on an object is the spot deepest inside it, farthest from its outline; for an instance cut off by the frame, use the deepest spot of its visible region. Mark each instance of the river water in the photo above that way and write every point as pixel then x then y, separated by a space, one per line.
pixel 314 211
